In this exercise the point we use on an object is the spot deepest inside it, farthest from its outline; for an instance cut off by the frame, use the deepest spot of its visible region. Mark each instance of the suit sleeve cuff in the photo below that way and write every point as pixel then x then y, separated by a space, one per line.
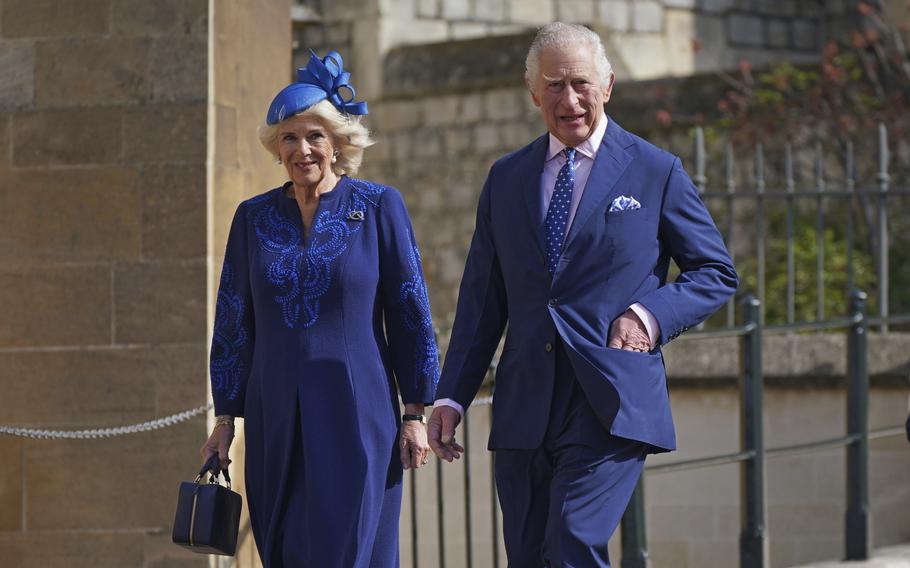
pixel 650 322
pixel 451 403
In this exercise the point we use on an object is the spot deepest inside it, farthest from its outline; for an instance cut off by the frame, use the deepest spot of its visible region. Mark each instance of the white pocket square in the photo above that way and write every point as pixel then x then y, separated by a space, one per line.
pixel 624 203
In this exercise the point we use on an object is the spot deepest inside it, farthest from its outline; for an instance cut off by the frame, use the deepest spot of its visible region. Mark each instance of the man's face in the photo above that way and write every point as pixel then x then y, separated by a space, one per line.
pixel 569 93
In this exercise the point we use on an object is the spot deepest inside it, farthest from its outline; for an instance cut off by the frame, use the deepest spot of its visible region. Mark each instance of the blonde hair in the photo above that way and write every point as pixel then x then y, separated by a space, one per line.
pixel 559 34
pixel 348 135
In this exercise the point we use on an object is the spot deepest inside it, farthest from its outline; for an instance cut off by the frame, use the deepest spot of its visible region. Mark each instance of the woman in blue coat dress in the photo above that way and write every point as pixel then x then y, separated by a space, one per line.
pixel 322 319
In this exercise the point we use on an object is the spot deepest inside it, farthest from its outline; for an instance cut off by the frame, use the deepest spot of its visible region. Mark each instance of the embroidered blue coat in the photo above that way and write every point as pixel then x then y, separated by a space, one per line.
pixel 314 340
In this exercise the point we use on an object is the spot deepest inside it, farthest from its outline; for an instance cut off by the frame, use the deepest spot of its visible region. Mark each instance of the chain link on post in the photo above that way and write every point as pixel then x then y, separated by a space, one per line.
pixel 753 542
pixel 857 526
pixel 156 424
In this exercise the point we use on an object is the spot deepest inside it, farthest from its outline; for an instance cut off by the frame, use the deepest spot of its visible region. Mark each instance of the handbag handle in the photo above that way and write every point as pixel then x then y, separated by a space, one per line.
pixel 212 466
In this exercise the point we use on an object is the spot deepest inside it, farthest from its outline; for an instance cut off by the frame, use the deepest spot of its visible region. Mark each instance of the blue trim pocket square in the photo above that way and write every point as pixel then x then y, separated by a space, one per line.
pixel 624 203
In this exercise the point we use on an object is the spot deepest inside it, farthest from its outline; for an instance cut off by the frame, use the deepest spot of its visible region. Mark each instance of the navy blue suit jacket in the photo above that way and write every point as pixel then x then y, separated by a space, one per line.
pixel 610 261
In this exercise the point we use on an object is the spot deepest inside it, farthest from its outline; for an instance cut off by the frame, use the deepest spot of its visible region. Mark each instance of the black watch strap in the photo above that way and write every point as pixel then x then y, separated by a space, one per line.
pixel 416 417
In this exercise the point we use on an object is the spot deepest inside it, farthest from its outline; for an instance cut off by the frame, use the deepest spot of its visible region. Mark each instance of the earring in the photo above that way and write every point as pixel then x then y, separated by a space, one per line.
pixel 278 161
pixel 335 156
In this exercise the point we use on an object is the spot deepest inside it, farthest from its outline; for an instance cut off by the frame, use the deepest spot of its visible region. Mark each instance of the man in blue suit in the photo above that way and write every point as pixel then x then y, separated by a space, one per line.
pixel 571 248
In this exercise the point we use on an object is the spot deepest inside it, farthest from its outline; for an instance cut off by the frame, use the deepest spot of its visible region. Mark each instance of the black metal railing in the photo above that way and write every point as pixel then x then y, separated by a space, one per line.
pixel 751 456
pixel 743 214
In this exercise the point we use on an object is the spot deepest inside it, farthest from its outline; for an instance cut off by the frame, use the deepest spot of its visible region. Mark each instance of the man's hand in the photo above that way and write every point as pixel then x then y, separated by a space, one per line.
pixel 629 333
pixel 441 429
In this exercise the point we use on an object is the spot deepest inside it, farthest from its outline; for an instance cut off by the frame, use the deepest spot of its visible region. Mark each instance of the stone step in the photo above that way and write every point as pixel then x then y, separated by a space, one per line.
pixel 888 557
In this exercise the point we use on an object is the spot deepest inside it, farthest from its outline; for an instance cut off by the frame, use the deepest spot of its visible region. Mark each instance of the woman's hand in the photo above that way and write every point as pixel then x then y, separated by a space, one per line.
pixel 413 444
pixel 219 443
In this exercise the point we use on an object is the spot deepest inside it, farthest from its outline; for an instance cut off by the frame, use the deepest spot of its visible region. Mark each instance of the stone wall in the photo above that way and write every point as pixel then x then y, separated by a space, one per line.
pixel 437 151
pixel 110 225
pixel 645 39
pixel 251 56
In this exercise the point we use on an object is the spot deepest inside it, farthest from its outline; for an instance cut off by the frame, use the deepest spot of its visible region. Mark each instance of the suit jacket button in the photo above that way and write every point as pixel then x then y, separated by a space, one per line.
pixel 548 347
pixel 552 302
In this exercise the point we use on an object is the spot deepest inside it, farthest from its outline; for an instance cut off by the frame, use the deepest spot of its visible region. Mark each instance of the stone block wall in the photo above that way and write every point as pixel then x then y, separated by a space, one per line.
pixel 645 39
pixel 120 165
pixel 437 151
pixel 102 273
pixel 251 56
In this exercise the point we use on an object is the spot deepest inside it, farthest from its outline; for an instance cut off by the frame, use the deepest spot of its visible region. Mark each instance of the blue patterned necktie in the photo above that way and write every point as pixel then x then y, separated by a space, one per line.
pixel 558 211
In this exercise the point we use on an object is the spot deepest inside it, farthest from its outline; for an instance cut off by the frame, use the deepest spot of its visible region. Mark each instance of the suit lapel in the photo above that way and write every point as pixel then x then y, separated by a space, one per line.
pixel 529 171
pixel 609 165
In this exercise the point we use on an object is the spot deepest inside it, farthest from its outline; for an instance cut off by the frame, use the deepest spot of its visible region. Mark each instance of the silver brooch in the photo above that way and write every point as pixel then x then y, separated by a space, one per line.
pixel 355 216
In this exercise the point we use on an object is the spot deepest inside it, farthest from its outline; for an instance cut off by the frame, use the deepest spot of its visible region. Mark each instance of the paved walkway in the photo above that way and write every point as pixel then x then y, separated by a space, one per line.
pixel 888 557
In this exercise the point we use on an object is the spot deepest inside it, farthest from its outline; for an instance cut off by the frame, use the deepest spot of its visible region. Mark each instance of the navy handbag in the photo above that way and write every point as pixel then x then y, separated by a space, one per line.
pixel 208 514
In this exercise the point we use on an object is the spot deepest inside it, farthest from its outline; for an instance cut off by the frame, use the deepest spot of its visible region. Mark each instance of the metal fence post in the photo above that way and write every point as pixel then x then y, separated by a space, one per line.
pixel 760 228
pixel 440 516
pixel 753 541
pixel 857 526
pixel 730 183
pixel 791 260
pixel 415 543
pixel 884 156
pixel 850 186
pixel 700 179
pixel 819 232
pixel 634 539
pixel 469 542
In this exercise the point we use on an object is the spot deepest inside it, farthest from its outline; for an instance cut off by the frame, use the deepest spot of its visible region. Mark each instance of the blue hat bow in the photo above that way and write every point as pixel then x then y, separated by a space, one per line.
pixel 321 79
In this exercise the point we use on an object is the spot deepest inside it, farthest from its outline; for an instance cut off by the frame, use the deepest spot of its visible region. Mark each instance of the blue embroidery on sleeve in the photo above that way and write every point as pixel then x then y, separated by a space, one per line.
pixel 305 275
pixel 229 338
pixel 414 303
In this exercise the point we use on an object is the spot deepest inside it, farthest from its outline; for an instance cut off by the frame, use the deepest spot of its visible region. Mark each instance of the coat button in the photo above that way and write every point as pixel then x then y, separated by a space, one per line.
pixel 548 347
pixel 552 302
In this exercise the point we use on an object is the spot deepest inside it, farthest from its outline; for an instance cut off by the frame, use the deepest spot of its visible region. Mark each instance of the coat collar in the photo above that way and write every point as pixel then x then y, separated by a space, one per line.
pixel 530 169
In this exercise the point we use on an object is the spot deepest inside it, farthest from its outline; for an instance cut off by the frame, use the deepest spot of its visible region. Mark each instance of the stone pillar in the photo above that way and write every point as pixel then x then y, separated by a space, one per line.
pixel 251 62
pixel 127 136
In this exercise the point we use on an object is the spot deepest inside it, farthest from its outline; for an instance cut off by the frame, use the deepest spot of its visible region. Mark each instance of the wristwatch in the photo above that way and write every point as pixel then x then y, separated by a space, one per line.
pixel 415 417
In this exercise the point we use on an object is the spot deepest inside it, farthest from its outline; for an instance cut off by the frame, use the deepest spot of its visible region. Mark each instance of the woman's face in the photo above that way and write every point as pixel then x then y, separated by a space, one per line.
pixel 306 150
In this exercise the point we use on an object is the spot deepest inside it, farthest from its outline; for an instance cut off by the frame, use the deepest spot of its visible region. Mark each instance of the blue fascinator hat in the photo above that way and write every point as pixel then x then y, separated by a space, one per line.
pixel 321 79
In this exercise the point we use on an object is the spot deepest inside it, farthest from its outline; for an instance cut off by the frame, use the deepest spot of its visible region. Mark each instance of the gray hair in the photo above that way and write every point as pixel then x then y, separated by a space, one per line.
pixel 559 34
pixel 348 135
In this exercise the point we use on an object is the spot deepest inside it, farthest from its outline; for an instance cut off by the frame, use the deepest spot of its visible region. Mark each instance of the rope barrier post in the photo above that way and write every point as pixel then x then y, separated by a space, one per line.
pixel 857 538
pixel 753 541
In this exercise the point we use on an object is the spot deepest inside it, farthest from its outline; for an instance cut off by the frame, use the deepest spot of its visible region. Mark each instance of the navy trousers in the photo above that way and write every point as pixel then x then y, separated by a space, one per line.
pixel 562 501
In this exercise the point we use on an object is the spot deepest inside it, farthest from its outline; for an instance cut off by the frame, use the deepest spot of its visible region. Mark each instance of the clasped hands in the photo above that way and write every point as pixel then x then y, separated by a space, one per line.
pixel 412 444
pixel 627 332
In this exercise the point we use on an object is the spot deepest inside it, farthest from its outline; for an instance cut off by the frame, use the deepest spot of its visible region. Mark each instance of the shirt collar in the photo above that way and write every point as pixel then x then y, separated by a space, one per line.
pixel 587 148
